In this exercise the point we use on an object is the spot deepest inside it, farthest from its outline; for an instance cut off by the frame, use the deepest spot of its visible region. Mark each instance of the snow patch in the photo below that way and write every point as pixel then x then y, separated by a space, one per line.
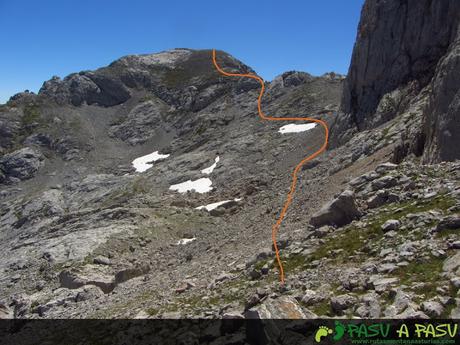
pixel 210 169
pixel 143 163
pixel 214 205
pixel 185 241
pixel 294 128
pixel 202 185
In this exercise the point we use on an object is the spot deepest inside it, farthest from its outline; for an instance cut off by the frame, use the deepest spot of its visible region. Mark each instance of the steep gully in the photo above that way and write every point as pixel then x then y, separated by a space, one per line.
pixel 297 168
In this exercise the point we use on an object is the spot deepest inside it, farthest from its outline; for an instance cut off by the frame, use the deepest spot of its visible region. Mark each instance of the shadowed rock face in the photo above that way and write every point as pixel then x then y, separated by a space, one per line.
pixel 398 41
pixel 85 87
pixel 403 47
pixel 441 118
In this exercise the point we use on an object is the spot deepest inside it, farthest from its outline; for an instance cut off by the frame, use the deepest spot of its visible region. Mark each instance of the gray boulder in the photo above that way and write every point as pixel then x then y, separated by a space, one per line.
pixel 342 302
pixel 22 164
pixel 449 223
pixel 284 307
pixel 370 307
pixel 101 260
pixel 131 272
pixel 385 167
pixel 384 182
pixel 380 198
pixel 5 311
pixel 432 308
pixel 390 224
pixel 39 139
pixel 452 265
pixel 312 297
pixel 74 279
pixel 339 211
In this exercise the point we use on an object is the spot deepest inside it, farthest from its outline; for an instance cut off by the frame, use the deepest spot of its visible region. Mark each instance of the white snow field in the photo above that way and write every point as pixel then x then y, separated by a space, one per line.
pixel 210 169
pixel 294 128
pixel 214 205
pixel 143 163
pixel 202 185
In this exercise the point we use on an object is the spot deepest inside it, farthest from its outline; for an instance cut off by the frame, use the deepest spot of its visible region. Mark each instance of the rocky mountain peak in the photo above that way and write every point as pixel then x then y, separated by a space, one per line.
pixel 176 70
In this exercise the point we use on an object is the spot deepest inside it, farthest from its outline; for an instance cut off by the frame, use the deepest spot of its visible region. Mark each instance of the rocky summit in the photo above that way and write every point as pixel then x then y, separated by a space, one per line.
pixel 148 188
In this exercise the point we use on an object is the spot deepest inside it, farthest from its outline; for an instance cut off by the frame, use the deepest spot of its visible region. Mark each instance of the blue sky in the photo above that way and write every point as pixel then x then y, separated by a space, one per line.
pixel 40 39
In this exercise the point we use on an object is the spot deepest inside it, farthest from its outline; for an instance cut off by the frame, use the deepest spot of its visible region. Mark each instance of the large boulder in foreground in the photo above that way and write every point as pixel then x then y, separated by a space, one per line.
pixel 284 307
pixel 278 316
pixel 21 164
pixel 338 212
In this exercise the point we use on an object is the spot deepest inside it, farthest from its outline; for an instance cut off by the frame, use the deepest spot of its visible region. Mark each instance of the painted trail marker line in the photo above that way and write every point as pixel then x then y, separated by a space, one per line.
pixel 291 192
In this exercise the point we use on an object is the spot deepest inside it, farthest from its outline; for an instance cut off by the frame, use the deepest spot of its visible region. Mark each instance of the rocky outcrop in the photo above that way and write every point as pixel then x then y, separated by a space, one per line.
pixel 86 87
pixel 403 47
pixel 92 276
pixel 442 116
pixel 131 272
pixel 141 123
pixel 397 41
pixel 21 164
pixel 291 78
pixel 8 131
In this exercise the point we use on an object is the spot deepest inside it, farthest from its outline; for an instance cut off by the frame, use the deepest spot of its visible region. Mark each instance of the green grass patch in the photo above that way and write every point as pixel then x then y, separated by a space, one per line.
pixel 118 120
pixel 399 210
pixel 425 271
pixel 146 97
pixel 321 308
pixel 123 195
pixel 350 240
pixel 448 233
pixel 294 262
pixel 200 130
pixel 228 292
pixel 75 124
pixel 31 114
pixel 356 239
pixel 385 132
pixel 152 311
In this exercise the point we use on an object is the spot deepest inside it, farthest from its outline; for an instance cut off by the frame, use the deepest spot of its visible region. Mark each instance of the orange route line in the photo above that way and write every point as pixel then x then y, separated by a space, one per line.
pixel 291 192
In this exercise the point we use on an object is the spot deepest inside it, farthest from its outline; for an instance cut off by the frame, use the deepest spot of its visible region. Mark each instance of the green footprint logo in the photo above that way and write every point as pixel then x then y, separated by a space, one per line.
pixel 339 331
pixel 322 332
